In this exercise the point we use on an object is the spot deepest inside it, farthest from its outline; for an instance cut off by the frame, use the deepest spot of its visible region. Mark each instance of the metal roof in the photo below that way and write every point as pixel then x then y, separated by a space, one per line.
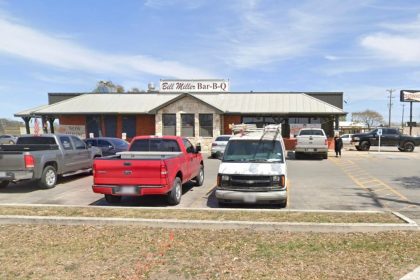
pixel 228 103
pixel 29 112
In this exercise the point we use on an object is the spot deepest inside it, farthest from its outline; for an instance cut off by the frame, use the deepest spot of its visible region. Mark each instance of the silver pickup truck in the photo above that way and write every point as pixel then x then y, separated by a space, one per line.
pixel 311 141
pixel 43 158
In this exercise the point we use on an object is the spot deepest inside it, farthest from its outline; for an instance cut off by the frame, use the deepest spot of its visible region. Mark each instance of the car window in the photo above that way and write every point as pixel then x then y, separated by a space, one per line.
pixel 392 131
pixel 103 143
pixel 155 145
pixel 78 144
pixel 65 141
pixel 36 140
pixel 90 142
pixel 188 146
pixel 120 144
pixel 222 138
pixel 311 132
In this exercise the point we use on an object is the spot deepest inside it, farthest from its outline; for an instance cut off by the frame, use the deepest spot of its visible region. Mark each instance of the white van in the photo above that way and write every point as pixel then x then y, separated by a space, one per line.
pixel 253 168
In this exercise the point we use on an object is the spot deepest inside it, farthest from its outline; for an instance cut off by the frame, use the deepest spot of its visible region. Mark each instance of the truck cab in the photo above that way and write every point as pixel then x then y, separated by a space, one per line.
pixel 253 168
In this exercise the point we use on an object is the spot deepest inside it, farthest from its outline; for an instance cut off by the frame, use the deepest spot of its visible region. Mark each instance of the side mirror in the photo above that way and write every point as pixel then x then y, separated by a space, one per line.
pixel 295 135
pixel 198 149
pixel 89 145
pixel 110 147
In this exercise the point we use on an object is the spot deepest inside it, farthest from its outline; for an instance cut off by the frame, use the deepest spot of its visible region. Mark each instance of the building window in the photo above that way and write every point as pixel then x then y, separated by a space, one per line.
pixel 169 124
pixel 261 121
pixel 129 126
pixel 93 125
pixel 110 126
pixel 187 125
pixel 206 125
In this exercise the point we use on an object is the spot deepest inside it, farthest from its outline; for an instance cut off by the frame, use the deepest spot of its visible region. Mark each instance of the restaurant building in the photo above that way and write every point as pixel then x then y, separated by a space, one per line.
pixel 199 110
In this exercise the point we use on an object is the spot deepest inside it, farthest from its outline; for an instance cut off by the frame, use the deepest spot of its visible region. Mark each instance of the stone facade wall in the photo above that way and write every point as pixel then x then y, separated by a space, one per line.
pixel 189 105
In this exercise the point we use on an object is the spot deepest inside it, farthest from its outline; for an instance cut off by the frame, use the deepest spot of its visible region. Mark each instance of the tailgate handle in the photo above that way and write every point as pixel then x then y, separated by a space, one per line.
pixel 127 163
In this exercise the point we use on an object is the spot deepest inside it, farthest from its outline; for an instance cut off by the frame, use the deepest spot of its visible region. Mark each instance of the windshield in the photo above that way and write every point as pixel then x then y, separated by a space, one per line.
pixel 222 138
pixel 253 151
pixel 120 144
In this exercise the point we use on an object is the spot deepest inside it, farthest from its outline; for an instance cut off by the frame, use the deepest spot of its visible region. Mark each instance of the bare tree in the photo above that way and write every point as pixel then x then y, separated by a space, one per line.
pixel 368 117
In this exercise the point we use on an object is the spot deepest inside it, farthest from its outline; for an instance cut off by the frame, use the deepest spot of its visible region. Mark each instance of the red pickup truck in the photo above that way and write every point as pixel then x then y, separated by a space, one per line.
pixel 152 165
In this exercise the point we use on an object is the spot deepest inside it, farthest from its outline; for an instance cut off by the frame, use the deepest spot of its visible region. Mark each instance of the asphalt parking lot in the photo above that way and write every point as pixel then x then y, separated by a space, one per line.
pixel 386 180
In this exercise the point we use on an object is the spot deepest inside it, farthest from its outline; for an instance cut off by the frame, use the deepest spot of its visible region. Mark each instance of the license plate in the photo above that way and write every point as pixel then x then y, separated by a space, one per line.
pixel 250 198
pixel 128 190
pixel 309 150
pixel 2 174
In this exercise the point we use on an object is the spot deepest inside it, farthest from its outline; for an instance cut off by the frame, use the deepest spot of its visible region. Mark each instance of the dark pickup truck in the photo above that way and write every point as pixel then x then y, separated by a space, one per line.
pixel 390 137
pixel 42 158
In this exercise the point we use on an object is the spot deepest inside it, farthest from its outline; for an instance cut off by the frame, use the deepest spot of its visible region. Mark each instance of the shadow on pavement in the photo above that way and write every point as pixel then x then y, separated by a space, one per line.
pixel 412 182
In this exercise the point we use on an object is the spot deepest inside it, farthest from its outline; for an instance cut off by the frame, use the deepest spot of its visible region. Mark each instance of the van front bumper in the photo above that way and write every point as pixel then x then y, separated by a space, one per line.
pixel 251 197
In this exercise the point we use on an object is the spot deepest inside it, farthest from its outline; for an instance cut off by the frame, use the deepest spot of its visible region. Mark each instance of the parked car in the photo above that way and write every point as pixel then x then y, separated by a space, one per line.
pixel 108 145
pixel 311 141
pixel 219 145
pixel 7 139
pixel 42 158
pixel 152 165
pixel 389 137
pixel 346 139
pixel 253 168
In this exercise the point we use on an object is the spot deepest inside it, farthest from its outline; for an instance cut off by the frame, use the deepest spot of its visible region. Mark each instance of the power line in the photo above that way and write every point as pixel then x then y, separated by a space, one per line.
pixel 390 91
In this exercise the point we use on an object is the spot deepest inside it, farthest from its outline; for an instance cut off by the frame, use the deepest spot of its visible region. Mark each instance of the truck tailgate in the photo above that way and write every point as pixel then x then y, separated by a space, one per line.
pixel 311 141
pixel 127 172
pixel 11 161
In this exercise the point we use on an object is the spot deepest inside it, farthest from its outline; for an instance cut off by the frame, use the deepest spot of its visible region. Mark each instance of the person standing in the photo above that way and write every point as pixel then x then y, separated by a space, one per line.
pixel 338 145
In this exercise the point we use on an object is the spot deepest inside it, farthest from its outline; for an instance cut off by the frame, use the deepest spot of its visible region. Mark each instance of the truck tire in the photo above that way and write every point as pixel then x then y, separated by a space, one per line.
pixel 358 148
pixel 298 155
pixel 3 184
pixel 113 198
pixel 199 179
pixel 48 178
pixel 401 149
pixel 409 147
pixel 325 156
pixel 174 196
pixel 365 146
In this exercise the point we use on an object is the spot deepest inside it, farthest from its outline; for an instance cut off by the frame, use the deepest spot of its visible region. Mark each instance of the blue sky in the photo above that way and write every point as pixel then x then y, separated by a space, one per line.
pixel 359 47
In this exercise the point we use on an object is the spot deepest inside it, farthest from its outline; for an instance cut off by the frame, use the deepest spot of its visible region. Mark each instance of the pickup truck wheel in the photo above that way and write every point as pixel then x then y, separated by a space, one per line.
pixel 365 146
pixel 401 149
pixel 3 184
pixel 298 155
pixel 199 179
pixel 174 196
pixel 325 156
pixel 358 148
pixel 48 178
pixel 409 147
pixel 113 198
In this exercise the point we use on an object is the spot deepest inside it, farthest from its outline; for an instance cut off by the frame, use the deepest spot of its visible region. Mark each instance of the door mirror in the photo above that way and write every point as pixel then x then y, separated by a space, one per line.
pixel 198 149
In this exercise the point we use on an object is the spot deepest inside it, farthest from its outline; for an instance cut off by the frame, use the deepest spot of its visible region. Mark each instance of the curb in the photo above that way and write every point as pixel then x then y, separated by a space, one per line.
pixel 415 274
pixel 206 224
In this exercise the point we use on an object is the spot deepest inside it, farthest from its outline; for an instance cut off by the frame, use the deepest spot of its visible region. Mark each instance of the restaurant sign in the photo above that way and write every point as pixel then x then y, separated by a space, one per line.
pixel 194 86
pixel 410 96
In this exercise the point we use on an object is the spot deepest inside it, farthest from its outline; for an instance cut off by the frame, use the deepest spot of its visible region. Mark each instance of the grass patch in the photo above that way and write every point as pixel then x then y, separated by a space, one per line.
pixel 130 252
pixel 181 214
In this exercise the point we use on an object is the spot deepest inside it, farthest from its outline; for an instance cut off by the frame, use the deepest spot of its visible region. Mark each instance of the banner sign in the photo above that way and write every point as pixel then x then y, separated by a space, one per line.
pixel 78 130
pixel 194 86
pixel 410 96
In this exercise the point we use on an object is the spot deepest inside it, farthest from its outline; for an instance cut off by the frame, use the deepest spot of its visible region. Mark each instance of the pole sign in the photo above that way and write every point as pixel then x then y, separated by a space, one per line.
pixel 410 95
pixel 194 86
pixel 379 134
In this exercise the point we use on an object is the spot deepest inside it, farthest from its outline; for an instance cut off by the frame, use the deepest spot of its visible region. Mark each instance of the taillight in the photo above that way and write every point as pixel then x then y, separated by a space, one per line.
pixel 163 173
pixel 29 161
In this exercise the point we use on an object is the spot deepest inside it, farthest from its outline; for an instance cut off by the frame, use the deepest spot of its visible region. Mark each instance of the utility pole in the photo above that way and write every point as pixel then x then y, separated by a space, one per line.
pixel 402 118
pixel 390 104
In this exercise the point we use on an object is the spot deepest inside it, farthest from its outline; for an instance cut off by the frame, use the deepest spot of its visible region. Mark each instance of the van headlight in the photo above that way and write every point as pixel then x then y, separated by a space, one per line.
pixel 222 179
pixel 276 179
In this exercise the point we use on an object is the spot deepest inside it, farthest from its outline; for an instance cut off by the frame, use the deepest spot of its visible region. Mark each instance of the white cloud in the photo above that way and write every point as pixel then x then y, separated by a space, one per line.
pixel 188 4
pixel 25 42
pixel 270 33
pixel 400 42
